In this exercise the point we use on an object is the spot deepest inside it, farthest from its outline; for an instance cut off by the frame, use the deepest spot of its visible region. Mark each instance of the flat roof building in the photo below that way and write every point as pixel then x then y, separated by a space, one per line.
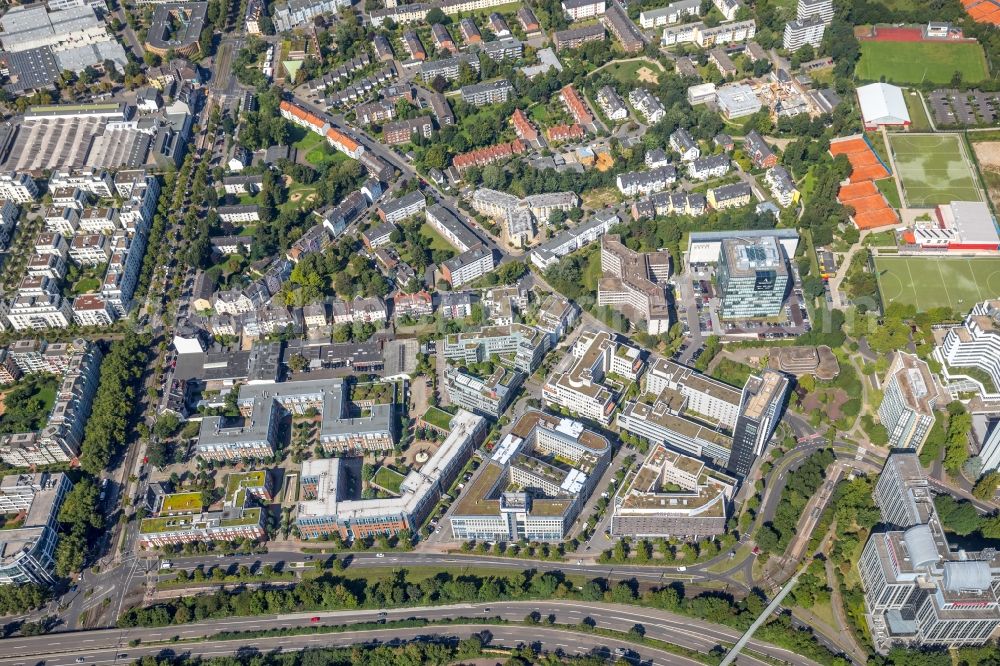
pixel 534 484
pixel 920 590
pixel 253 433
pixel 327 507
pixel 753 277
pixel 673 495
pixel 910 394
pixel 27 552
pixel 634 283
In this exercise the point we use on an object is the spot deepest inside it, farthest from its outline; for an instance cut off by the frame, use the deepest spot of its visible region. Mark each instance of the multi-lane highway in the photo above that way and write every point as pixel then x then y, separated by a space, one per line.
pixel 106 646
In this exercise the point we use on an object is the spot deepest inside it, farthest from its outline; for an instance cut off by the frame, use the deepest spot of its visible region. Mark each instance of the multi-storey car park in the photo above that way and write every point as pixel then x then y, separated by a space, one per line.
pixel 534 484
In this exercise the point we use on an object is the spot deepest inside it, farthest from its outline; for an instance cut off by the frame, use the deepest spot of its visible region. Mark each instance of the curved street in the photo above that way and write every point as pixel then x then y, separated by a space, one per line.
pixel 104 646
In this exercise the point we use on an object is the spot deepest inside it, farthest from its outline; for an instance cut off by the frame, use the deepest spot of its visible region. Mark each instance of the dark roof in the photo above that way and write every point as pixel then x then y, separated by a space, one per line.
pixel 34 68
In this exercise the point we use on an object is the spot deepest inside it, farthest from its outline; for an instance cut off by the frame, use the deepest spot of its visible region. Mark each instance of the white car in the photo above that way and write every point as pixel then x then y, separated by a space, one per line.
pixel 379 554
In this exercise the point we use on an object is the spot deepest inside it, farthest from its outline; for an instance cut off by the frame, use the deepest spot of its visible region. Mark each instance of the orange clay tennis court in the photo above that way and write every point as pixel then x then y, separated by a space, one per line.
pixel 865 164
pixel 870 208
pixel 983 11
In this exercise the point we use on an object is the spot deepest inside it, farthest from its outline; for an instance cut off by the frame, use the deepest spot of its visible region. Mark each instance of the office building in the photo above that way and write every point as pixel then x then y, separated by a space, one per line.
pixel 535 483
pixel 180 518
pixel 27 550
pixel 487 397
pixel 920 591
pixel 635 284
pixel 753 278
pixel 583 390
pixel 518 346
pixel 761 404
pixel 328 506
pixel 673 496
pixel 909 397
pixel 262 405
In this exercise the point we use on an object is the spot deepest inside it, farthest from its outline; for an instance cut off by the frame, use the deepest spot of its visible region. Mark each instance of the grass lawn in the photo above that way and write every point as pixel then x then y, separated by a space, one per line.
pixel 87 285
pixel 324 153
pixel 918 117
pixel 388 479
pixel 438 418
pixel 934 169
pixel 541 115
pixel 600 198
pixel 922 62
pixel 301 196
pixel 307 140
pixel 887 186
pixel 437 240
pixel 628 72
pixel 929 282
pixel 881 239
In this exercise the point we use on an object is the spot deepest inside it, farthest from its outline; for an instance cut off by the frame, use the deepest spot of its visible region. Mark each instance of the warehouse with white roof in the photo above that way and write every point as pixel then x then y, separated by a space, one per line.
pixel 882 104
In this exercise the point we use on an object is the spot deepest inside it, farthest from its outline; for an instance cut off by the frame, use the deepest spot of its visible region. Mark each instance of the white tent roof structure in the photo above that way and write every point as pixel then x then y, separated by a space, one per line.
pixel 882 104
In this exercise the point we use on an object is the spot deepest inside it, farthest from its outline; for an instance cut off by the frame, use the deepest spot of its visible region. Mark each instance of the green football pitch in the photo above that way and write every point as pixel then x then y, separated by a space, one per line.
pixel 922 62
pixel 930 282
pixel 934 169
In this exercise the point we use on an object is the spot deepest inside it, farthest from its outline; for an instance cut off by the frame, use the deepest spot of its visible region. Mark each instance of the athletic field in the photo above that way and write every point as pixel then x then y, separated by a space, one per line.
pixel 930 282
pixel 922 62
pixel 934 169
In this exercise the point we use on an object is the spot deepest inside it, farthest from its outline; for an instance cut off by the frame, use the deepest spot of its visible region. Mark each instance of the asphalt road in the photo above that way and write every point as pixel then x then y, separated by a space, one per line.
pixel 103 646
